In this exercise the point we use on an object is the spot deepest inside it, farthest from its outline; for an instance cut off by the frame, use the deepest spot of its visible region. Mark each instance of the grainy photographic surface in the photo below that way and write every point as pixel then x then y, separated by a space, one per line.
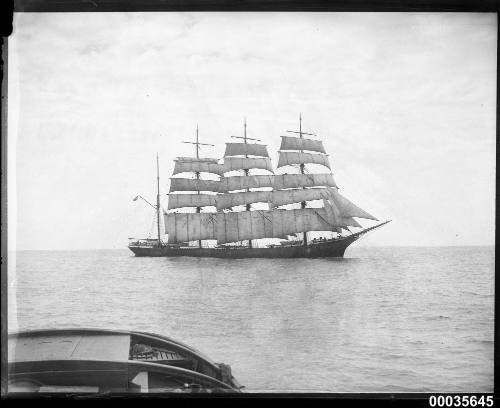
pixel 404 105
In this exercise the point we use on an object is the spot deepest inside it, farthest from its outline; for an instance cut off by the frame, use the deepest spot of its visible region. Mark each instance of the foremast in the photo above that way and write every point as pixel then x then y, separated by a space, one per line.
pixel 302 171
pixel 336 210
pixel 290 146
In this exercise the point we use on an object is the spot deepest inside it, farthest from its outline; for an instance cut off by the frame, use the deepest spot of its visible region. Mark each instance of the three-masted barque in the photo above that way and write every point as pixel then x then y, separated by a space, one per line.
pixel 240 207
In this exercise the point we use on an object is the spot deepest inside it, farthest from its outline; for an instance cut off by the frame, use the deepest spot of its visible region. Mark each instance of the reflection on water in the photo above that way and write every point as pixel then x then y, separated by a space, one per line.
pixel 383 319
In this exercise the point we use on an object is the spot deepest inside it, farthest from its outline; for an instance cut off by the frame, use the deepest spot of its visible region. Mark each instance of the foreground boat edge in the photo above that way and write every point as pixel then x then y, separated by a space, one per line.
pixel 22 366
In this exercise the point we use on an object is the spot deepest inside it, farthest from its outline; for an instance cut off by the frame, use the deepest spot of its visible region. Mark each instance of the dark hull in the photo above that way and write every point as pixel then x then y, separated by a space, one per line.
pixel 324 249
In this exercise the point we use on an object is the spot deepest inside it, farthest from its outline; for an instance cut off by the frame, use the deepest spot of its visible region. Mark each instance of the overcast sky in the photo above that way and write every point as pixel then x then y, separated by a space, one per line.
pixel 405 104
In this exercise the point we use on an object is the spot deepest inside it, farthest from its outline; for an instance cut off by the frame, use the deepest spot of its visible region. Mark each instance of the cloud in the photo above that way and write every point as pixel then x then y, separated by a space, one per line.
pixel 404 102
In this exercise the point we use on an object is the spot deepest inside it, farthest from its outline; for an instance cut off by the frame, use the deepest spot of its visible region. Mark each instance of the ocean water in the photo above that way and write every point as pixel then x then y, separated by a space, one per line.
pixel 379 320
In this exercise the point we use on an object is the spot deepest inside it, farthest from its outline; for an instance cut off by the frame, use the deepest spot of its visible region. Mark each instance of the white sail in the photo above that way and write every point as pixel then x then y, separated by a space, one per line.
pixel 349 209
pixel 238 226
pixel 282 197
pixel 244 182
pixel 197 159
pixel 274 198
pixel 193 164
pixel 240 163
pixel 191 200
pixel 184 184
pixel 190 227
pixel 296 143
pixel 289 158
pixel 236 149
pixel 283 181
pixel 233 199
pixel 335 217
pixel 332 212
pixel 351 222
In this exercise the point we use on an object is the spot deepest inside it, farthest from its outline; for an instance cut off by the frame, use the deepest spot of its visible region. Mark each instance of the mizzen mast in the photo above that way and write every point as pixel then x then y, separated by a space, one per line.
pixel 158 197
pixel 192 192
pixel 197 173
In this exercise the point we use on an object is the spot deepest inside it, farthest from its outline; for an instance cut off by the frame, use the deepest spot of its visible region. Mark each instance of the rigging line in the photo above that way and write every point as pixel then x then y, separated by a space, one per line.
pixel 211 219
pixel 320 216
pixel 264 216
pixel 304 133
pixel 247 138
pixel 153 222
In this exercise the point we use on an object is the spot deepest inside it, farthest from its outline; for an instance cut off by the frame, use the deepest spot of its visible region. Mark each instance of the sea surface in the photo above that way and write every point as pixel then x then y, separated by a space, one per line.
pixel 385 319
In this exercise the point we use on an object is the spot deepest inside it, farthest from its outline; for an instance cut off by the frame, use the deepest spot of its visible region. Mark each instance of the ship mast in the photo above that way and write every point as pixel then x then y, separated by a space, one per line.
pixel 246 171
pixel 197 173
pixel 158 197
pixel 302 166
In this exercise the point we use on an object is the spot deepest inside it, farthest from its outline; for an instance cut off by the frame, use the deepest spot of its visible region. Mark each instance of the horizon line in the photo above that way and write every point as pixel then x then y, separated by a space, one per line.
pixel 363 246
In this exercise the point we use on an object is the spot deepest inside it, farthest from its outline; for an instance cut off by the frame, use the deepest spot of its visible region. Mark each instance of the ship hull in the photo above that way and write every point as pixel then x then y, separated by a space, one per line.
pixel 319 249
pixel 316 250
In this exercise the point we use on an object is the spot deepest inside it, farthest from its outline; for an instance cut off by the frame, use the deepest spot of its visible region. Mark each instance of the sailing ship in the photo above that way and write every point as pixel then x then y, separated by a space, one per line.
pixel 243 208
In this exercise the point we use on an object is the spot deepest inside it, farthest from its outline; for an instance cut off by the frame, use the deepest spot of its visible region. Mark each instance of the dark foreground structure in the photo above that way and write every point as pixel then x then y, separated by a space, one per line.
pixel 102 361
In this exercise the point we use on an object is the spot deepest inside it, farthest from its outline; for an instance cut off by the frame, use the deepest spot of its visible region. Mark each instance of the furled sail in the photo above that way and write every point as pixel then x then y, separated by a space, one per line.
pixel 243 182
pixel 288 158
pixel 235 149
pixel 349 209
pixel 197 159
pixel 283 181
pixel 193 164
pixel 238 226
pixel 190 227
pixel 191 200
pixel 282 197
pixel 233 199
pixel 240 163
pixel 296 143
pixel 184 184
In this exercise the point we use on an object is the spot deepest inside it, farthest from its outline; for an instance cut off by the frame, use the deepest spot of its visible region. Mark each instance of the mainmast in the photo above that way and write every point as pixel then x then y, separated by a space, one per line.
pixel 303 204
pixel 197 173
pixel 246 172
pixel 239 190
